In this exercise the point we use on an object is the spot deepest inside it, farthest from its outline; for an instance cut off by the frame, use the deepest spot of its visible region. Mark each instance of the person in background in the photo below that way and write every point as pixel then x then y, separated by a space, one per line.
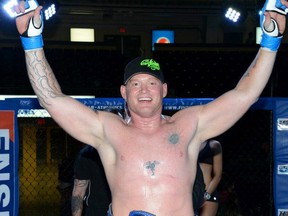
pixel 65 186
pixel 150 162
pixel 91 194
pixel 210 160
pixel 198 190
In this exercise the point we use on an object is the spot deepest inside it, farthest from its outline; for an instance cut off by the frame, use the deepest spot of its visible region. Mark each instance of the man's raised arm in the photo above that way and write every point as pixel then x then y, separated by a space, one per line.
pixel 219 115
pixel 66 111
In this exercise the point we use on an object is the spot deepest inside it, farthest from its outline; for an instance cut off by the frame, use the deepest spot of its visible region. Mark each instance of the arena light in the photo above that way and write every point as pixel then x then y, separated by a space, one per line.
pixel 258 35
pixel 50 11
pixel 8 6
pixel 29 6
pixel 82 35
pixel 233 14
pixel 49 7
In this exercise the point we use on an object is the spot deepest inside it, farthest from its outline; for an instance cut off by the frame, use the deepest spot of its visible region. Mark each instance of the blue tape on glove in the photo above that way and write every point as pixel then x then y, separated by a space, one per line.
pixel 30 43
pixel 271 43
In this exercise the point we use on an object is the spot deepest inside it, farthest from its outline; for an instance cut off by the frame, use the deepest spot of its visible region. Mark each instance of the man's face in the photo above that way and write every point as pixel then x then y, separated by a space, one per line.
pixel 144 94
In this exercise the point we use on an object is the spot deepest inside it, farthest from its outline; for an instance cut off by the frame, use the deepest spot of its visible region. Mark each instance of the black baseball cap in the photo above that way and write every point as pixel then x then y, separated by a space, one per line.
pixel 143 65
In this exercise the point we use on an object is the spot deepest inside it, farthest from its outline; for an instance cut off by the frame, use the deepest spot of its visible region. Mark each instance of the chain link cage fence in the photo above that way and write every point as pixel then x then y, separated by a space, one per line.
pixel 46 160
pixel 246 186
pixel 47 155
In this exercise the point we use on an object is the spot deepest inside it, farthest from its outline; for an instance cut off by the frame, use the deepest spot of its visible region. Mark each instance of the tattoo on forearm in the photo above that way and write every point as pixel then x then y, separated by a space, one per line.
pixel 41 77
pixel 76 204
pixel 151 166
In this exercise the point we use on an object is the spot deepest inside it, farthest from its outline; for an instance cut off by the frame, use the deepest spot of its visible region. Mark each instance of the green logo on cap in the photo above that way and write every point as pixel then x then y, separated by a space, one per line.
pixel 152 64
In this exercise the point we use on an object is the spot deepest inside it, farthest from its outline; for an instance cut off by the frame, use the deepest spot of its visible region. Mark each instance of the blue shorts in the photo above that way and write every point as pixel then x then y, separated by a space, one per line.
pixel 109 212
pixel 132 213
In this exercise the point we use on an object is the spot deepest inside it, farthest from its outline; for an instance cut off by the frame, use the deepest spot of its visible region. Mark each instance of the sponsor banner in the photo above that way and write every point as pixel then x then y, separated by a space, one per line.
pixel 282 169
pixel 30 106
pixel 9 155
pixel 282 212
pixel 280 156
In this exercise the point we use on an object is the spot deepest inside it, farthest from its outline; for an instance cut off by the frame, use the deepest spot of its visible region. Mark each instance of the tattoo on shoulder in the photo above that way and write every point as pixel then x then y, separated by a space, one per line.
pixel 174 138
pixel 151 165
pixel 217 149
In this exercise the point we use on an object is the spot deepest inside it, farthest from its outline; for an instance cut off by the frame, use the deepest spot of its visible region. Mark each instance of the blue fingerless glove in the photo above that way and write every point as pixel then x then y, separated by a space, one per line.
pixel 271 37
pixel 32 37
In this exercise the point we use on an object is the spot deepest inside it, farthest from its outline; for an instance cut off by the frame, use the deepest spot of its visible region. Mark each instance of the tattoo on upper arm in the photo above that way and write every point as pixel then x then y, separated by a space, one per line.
pixel 151 166
pixel 216 148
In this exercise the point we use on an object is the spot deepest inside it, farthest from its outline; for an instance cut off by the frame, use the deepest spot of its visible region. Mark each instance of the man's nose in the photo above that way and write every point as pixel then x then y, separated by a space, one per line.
pixel 144 87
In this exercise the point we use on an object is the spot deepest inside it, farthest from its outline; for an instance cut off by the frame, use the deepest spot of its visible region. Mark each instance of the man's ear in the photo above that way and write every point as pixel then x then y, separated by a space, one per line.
pixel 123 91
pixel 165 90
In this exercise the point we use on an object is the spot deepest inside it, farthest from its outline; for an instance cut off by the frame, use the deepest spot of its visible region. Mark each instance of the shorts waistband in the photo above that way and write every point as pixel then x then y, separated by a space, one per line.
pixel 132 213
pixel 109 212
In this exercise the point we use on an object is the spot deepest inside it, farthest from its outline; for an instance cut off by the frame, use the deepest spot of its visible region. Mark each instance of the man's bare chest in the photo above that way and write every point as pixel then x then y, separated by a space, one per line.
pixel 152 154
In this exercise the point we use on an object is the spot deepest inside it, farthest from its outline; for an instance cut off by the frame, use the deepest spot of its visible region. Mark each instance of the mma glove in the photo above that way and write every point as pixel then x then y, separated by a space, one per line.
pixel 32 37
pixel 271 37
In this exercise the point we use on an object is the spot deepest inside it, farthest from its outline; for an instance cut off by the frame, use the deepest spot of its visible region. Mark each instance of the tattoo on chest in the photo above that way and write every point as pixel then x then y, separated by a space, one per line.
pixel 151 165
pixel 174 138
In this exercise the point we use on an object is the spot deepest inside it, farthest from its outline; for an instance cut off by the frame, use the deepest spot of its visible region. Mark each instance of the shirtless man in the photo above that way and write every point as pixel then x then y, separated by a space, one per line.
pixel 150 160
